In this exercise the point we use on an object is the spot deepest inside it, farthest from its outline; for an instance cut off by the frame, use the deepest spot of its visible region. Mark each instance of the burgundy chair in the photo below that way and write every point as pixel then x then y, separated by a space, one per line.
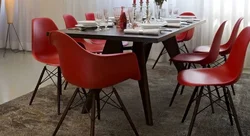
pixel 180 38
pixel 93 71
pixel 70 22
pixel 224 75
pixel 45 53
pixel 204 59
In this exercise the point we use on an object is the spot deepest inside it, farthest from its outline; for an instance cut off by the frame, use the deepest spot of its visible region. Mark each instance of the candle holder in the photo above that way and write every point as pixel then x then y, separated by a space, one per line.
pixel 134 6
pixel 141 3
pixel 147 12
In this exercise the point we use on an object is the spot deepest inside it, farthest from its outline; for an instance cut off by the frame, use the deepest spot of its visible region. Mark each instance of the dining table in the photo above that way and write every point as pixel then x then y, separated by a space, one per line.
pixel 141 47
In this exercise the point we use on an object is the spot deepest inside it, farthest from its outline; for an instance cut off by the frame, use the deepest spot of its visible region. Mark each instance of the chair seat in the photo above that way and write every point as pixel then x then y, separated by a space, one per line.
pixel 190 57
pixel 97 41
pixel 50 59
pixel 94 48
pixel 206 49
pixel 206 77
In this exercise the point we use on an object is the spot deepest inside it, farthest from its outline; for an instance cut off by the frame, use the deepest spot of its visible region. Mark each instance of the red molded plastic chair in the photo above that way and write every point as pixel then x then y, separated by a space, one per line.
pixel 94 71
pixel 45 53
pixel 182 37
pixel 203 59
pixel 225 48
pixel 70 22
pixel 224 75
pixel 90 16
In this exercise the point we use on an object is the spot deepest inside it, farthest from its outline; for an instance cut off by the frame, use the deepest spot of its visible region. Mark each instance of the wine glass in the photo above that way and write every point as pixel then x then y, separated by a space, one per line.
pixel 170 10
pixel 117 13
pixel 106 18
pixel 175 12
pixel 98 20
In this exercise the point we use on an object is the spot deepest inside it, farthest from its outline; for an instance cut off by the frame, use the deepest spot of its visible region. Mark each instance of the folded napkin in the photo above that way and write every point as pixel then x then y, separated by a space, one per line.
pixel 187 17
pixel 173 20
pixel 142 31
pixel 151 26
pixel 111 19
pixel 174 25
pixel 87 23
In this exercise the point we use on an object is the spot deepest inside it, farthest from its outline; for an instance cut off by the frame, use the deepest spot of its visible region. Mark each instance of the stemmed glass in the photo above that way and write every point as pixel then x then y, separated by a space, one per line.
pixel 98 20
pixel 170 10
pixel 106 18
pixel 176 12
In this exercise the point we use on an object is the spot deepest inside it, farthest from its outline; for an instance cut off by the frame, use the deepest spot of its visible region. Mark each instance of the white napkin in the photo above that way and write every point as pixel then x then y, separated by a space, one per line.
pixel 151 26
pixel 174 25
pixel 87 23
pixel 111 19
pixel 173 20
pixel 142 31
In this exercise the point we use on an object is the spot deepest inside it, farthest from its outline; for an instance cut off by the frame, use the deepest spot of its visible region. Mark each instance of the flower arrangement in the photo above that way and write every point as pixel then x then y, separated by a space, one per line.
pixel 160 2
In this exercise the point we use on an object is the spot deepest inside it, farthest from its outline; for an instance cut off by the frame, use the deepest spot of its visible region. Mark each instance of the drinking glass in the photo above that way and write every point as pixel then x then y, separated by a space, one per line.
pixel 175 12
pixel 106 18
pixel 170 10
pixel 117 14
pixel 98 20
pixel 130 15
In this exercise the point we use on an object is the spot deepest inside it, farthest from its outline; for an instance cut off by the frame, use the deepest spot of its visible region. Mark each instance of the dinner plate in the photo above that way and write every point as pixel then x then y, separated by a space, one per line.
pixel 87 23
pixel 151 26
pixel 85 26
pixel 187 17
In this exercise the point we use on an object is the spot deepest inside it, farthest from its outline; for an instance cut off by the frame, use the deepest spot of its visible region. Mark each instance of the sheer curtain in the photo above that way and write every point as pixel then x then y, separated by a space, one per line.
pixel 24 12
pixel 214 11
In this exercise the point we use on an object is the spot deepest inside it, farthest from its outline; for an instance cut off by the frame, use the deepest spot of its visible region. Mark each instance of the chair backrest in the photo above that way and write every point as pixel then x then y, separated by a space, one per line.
pixel 233 36
pixel 187 35
pixel 235 61
pixel 69 21
pixel 215 47
pixel 90 16
pixel 93 71
pixel 40 41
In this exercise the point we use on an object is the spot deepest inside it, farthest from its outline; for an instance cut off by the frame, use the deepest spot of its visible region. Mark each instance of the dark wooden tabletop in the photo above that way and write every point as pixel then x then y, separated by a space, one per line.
pixel 118 34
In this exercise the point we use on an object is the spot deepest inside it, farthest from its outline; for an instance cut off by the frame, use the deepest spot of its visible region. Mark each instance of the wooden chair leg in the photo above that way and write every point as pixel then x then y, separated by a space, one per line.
pixel 65 111
pixel 228 106
pixel 125 112
pixel 98 106
pixel 234 113
pixel 59 89
pixel 37 85
pixel 189 104
pixel 158 57
pixel 175 92
pixel 210 98
pixel 92 118
pixel 195 111
pixel 232 86
pixel 65 86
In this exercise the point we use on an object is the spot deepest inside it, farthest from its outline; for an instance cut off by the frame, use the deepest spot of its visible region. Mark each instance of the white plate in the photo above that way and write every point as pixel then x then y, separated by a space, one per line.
pixel 87 23
pixel 86 26
pixel 187 17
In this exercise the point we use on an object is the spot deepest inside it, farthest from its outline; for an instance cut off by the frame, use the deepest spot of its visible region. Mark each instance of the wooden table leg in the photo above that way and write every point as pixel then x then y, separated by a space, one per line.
pixel 142 53
pixel 172 48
